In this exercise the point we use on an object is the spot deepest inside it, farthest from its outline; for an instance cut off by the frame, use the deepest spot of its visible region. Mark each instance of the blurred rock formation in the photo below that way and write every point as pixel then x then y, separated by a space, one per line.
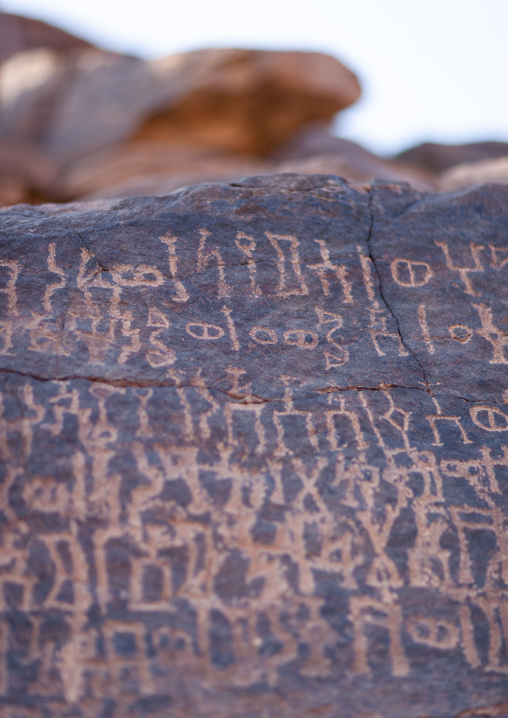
pixel 79 122
pixel 18 34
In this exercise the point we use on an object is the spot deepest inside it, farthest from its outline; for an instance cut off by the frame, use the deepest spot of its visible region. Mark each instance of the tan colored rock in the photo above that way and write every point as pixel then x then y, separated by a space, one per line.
pixel 18 34
pixel 143 168
pixel 475 173
pixel 244 101
pixel 25 174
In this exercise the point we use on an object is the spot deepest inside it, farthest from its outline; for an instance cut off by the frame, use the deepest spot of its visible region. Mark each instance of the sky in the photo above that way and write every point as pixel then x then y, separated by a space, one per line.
pixel 430 71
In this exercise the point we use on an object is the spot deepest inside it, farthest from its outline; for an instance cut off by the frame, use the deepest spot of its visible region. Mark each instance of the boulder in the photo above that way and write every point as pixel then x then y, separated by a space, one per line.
pixel 144 167
pixel 242 101
pixel 359 170
pixel 25 173
pixel 254 443
pixel 18 34
pixel 470 174
pixel 437 158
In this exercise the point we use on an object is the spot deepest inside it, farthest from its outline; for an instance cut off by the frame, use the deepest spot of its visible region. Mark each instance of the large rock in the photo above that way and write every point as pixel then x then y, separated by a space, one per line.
pixel 254 448
pixel 18 34
pixel 236 100
pixel 436 158
pixel 25 173
pixel 470 174
pixel 143 167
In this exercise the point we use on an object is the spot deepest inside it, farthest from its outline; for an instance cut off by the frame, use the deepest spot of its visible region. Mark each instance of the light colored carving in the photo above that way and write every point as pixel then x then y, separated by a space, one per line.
pixel 294 262
pixel 289 410
pixel 263 335
pixel 142 275
pixel 499 257
pixel 248 248
pixel 489 418
pixel 181 293
pixel 460 332
pixel 231 328
pixel 422 318
pixel 326 266
pixel 411 273
pixel 464 272
pixel 156 318
pixel 496 612
pixel 433 632
pixel 365 611
pixel 52 288
pixel 341 354
pixel 204 259
pixel 433 421
pixel 366 264
pixel 204 330
pixel 301 338
pixel 9 287
pixel 161 355
pixel 354 421
pixel 379 330
pixel 496 337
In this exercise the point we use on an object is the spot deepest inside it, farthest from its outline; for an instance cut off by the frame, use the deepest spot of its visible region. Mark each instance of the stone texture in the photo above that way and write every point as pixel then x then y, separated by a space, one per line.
pixel 437 158
pixel 475 173
pixel 254 454
pixel 18 34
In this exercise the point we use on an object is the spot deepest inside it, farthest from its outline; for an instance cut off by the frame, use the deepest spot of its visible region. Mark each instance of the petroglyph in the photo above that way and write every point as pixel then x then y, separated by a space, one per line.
pixel 230 463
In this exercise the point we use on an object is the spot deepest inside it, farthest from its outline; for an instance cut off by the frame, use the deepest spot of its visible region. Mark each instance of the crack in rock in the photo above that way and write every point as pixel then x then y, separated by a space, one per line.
pixel 385 300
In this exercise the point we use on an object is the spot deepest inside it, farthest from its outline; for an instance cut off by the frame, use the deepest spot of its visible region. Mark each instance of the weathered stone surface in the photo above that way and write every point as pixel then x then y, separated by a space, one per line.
pixel 255 454
pixel 18 34
pixel 475 173
pixel 437 158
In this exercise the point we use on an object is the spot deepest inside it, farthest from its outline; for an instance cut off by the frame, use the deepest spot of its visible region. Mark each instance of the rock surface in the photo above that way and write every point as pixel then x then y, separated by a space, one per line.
pixel 475 173
pixel 18 34
pixel 236 100
pixel 143 168
pixel 254 446
pixel 437 158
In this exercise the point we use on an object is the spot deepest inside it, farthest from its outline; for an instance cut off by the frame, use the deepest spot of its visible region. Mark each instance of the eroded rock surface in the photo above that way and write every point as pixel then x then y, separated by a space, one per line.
pixel 254 446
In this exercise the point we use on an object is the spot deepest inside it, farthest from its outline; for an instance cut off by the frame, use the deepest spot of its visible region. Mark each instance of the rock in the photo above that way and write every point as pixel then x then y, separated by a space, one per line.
pixel 438 158
pixel 18 34
pixel 475 173
pixel 242 101
pixel 41 103
pixel 25 173
pixel 143 168
pixel 254 453
pixel 357 170
pixel 315 146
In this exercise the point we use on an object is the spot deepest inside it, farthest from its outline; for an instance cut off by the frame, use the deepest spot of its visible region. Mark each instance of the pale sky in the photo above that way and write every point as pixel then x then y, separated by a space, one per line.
pixel 433 70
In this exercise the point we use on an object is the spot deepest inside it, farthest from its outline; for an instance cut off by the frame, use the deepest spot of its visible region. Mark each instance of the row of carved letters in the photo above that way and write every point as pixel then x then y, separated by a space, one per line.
pixel 134 646
pixel 405 272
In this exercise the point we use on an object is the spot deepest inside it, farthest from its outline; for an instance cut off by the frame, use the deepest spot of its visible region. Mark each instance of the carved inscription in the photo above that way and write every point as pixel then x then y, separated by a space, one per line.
pixel 245 455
